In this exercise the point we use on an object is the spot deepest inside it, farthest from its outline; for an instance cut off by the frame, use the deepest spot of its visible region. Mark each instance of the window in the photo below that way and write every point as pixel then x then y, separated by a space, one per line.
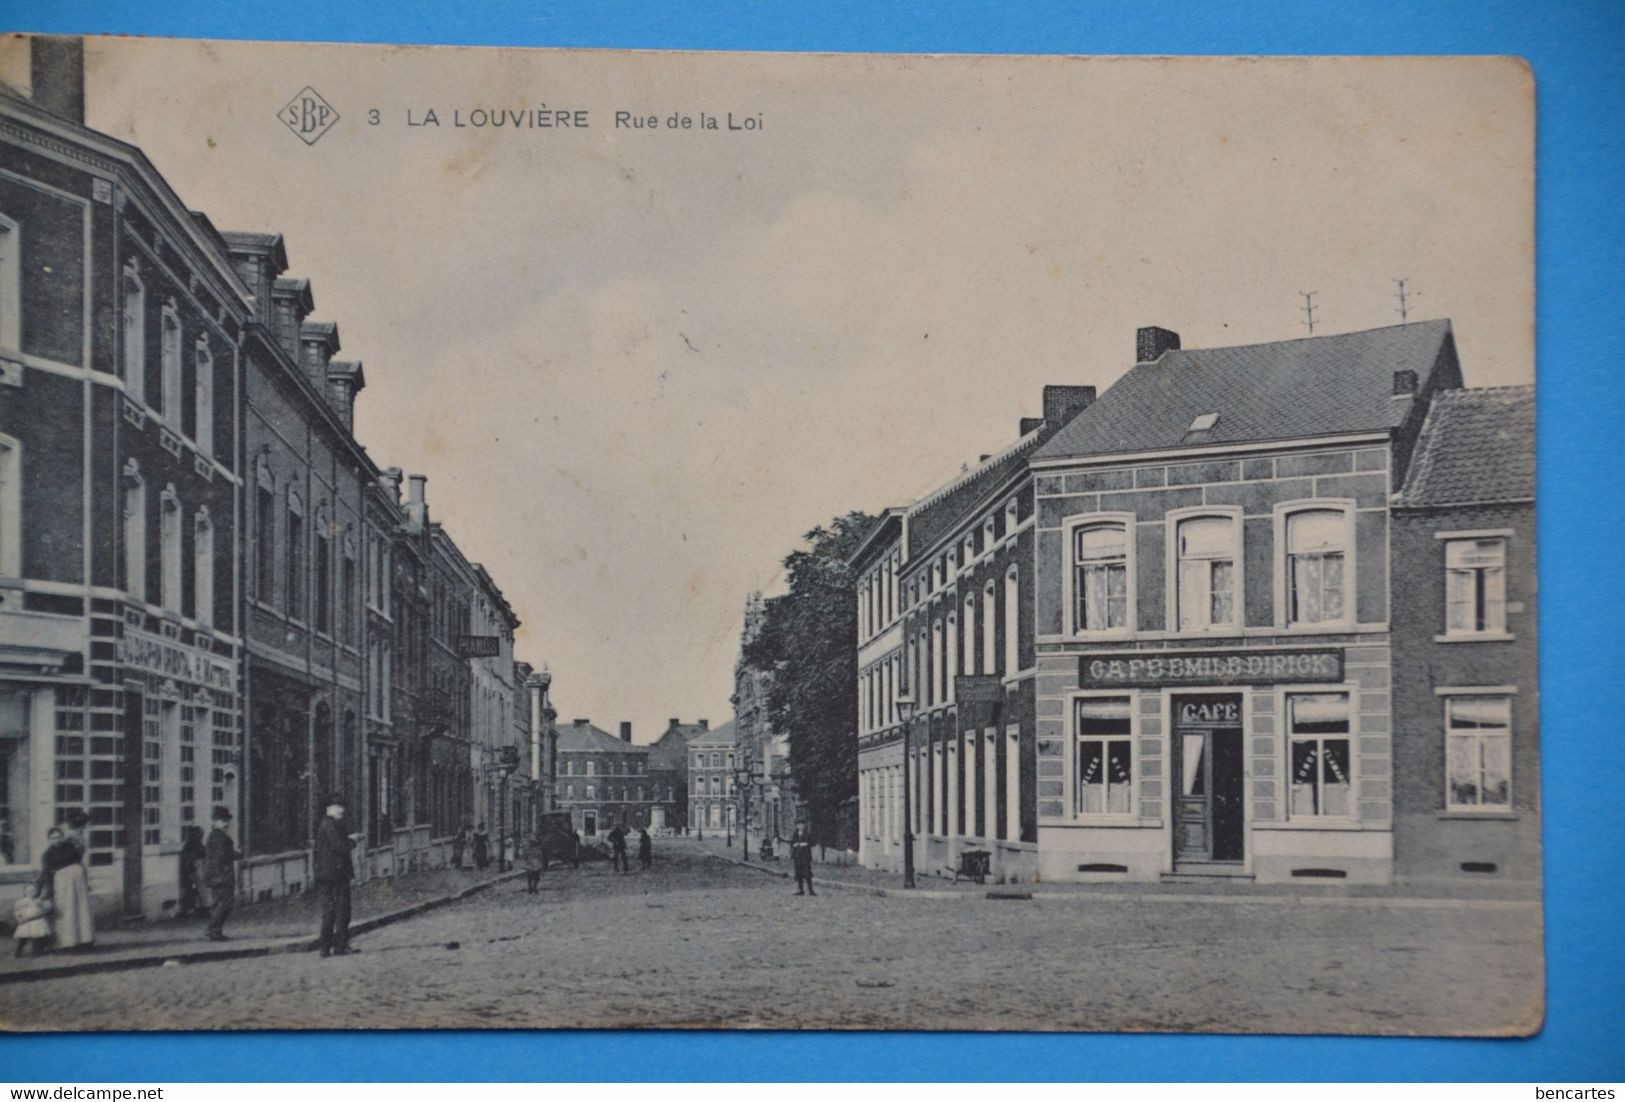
pixel 169 363
pixel 989 629
pixel 264 537
pixel 324 573
pixel 1203 422
pixel 347 586
pixel 1206 591
pixel 11 310
pixel 989 535
pixel 203 398
pixel 135 532
pixel 1100 583
pixel 1105 758
pixel 1010 517
pixel 15 805
pixel 1318 728
pixel 1475 586
pixel 968 550
pixel 1012 611
pixel 134 320
pixel 296 557
pixel 969 637
pixel 1478 752
pixel 203 568
pixel 1317 548
pixel 11 507
pixel 950 637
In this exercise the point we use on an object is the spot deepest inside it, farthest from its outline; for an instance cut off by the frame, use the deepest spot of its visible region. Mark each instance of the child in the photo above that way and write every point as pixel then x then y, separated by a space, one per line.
pixel 33 924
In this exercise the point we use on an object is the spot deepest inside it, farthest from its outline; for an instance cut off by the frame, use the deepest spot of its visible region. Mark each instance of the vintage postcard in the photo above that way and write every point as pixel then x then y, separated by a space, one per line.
pixel 575 539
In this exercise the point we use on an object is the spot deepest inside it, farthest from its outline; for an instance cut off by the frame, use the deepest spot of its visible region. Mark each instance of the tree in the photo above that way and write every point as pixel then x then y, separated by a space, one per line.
pixel 808 642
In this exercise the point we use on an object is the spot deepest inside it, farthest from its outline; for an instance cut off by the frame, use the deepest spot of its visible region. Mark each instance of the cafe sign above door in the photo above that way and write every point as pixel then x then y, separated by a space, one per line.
pixel 1159 670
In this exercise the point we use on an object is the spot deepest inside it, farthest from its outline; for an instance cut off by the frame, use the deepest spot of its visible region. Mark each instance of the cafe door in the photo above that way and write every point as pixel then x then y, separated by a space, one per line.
pixel 1208 821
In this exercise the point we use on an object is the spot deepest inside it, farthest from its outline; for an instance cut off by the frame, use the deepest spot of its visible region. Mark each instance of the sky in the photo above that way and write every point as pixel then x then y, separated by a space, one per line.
pixel 637 365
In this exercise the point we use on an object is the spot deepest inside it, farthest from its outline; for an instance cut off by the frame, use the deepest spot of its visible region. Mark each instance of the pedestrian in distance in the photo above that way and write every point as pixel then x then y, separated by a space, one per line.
pixel 617 842
pixel 535 862
pixel 191 861
pixel 646 848
pixel 482 847
pixel 220 859
pixel 334 871
pixel 575 849
pixel 32 914
pixel 459 843
pixel 801 857
pixel 64 879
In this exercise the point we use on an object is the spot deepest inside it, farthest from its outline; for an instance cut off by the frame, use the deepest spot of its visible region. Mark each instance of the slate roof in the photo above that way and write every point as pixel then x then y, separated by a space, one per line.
pixel 719 736
pixel 584 737
pixel 1477 447
pixel 1315 386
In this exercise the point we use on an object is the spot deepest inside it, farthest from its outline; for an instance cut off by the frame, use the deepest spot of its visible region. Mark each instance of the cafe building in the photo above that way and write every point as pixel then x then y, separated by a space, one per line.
pixel 1213 613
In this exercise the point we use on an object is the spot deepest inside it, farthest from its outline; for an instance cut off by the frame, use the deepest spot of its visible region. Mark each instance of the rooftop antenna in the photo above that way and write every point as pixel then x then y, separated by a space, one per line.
pixel 1309 309
pixel 1403 292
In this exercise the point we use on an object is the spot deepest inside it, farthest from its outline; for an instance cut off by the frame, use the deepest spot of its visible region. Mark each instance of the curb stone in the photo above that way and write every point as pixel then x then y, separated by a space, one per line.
pixel 266 948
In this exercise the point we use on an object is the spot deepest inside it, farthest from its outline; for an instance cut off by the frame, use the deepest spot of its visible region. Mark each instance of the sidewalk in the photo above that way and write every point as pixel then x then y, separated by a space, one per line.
pixel 285 925
pixel 847 877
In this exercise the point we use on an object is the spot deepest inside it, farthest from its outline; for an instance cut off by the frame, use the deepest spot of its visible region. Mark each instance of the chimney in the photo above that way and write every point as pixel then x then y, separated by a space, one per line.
pixel 578 723
pixel 1030 424
pixel 292 304
pixel 56 68
pixel 1062 403
pixel 626 731
pixel 344 381
pixel 705 725
pixel 673 722
pixel 259 259
pixel 1151 342
pixel 390 479
pixel 1404 383
pixel 318 340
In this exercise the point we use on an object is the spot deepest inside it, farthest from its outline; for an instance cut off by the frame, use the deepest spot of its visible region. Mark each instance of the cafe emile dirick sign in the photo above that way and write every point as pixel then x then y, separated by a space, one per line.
pixel 1175 669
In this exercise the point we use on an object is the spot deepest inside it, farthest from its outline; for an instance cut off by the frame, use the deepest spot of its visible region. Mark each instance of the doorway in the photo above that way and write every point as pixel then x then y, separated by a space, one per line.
pixel 589 824
pixel 1208 810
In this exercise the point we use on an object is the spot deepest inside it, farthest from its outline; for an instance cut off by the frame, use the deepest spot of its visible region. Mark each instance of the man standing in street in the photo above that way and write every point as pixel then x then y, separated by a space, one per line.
pixel 220 873
pixel 646 851
pixel 801 857
pixel 334 870
pixel 617 846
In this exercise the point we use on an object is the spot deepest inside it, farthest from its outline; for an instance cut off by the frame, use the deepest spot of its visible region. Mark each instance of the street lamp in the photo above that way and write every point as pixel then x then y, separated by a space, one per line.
pixel 506 765
pixel 742 777
pixel 905 712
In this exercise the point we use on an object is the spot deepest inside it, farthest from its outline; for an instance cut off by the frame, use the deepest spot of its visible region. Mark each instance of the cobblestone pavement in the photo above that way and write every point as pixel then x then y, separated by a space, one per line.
pixel 699 942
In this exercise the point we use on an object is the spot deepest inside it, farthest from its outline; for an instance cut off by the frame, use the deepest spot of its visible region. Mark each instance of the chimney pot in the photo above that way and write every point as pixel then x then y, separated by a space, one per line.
pixel 1152 341
pixel 56 68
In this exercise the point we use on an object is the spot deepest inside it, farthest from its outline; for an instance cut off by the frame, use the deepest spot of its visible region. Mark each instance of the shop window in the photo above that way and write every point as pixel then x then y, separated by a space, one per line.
pixel 1206 579
pixel 1105 756
pixel 15 824
pixel 1316 571
pixel 1475 586
pixel 1478 752
pixel 1101 560
pixel 134 322
pixel 1318 731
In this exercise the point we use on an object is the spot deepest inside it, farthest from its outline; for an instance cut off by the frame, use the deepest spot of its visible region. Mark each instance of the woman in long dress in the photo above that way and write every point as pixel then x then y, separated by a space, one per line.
pixel 64 872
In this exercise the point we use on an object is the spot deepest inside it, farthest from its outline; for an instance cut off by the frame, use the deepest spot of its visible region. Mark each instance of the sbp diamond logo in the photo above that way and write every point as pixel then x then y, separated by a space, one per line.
pixel 308 115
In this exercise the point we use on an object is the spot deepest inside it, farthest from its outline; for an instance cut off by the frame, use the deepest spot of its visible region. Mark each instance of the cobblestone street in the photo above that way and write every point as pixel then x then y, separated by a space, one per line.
pixel 698 942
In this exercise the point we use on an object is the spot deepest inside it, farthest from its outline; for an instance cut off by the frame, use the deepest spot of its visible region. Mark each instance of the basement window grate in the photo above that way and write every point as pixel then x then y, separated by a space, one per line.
pixel 1320 874
pixel 1102 868
pixel 1478 866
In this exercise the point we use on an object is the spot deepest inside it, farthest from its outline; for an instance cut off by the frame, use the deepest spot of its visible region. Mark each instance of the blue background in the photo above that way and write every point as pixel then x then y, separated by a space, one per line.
pixel 1576 50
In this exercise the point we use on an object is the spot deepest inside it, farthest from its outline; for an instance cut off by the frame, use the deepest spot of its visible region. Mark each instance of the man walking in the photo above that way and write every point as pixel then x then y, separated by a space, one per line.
pixel 334 870
pixel 801 857
pixel 646 848
pixel 617 846
pixel 220 858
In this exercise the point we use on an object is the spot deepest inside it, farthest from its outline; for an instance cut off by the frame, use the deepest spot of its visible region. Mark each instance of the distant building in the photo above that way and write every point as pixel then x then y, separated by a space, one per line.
pixel 671 758
pixel 775 806
pixel 712 758
pixel 1466 728
pixel 604 781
